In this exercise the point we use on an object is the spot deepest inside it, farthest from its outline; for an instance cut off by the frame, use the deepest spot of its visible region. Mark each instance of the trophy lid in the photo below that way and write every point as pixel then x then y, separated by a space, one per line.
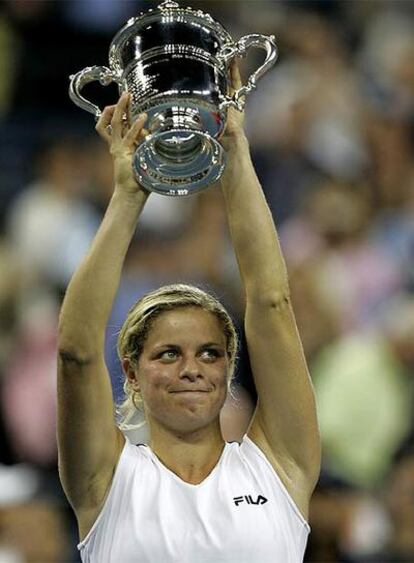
pixel 170 11
pixel 168 4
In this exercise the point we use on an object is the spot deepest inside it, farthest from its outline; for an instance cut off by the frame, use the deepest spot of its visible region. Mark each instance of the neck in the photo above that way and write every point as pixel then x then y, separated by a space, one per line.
pixel 191 456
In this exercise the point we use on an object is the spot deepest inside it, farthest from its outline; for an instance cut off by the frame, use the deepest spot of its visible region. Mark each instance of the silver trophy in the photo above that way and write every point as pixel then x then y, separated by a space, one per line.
pixel 175 63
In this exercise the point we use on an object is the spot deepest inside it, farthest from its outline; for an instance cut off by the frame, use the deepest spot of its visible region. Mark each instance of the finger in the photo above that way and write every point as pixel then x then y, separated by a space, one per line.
pixel 136 130
pixel 118 115
pixel 104 122
pixel 236 80
pixel 144 133
pixel 141 137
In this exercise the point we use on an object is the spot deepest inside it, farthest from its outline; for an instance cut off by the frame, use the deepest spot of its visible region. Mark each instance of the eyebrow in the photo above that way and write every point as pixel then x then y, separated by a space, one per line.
pixel 206 345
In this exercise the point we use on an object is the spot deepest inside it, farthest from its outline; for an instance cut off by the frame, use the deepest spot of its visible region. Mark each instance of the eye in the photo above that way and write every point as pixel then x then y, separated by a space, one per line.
pixel 168 354
pixel 210 353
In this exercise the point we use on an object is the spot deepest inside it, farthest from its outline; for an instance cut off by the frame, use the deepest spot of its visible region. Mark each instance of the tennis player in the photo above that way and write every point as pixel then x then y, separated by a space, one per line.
pixel 186 496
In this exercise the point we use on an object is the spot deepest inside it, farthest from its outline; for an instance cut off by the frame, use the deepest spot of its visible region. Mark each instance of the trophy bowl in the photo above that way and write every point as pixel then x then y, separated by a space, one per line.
pixel 175 63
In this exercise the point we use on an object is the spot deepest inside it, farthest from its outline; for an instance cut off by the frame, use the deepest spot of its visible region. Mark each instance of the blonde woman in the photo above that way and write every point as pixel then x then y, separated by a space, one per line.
pixel 187 496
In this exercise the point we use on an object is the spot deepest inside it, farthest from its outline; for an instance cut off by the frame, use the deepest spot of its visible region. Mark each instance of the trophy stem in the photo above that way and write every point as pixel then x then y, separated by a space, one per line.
pixel 176 117
pixel 178 162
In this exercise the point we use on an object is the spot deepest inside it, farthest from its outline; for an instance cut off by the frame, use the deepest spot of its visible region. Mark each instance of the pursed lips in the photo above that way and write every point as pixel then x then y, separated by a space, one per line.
pixel 190 391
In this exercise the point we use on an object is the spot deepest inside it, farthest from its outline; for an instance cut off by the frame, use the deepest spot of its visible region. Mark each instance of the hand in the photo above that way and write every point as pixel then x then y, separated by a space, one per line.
pixel 123 140
pixel 235 118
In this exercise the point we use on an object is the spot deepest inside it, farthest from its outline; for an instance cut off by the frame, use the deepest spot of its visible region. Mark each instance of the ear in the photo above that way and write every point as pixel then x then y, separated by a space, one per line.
pixel 130 373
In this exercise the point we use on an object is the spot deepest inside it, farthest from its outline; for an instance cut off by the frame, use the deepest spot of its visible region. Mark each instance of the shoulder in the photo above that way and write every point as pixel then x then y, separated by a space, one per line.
pixel 258 480
pixel 295 482
pixel 104 492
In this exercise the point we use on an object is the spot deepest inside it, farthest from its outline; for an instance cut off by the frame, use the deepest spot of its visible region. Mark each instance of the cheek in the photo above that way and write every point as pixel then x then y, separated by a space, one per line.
pixel 221 380
pixel 224 370
pixel 153 379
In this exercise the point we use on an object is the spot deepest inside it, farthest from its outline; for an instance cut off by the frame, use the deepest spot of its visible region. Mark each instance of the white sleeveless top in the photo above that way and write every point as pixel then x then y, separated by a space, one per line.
pixel 241 513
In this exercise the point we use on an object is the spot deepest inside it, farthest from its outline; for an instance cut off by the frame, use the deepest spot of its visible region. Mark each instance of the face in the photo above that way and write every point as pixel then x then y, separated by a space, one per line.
pixel 183 368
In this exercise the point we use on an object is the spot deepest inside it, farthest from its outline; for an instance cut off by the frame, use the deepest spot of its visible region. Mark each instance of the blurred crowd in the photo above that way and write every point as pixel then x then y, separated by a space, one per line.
pixel 331 133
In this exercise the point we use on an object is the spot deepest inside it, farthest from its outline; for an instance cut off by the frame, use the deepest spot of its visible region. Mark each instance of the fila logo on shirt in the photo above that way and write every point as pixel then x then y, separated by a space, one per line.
pixel 249 500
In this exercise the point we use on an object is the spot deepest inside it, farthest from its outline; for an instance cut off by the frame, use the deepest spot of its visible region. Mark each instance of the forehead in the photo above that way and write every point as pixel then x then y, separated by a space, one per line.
pixel 186 324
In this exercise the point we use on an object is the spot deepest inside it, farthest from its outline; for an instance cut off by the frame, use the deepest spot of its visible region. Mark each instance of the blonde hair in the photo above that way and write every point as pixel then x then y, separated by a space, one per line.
pixel 134 332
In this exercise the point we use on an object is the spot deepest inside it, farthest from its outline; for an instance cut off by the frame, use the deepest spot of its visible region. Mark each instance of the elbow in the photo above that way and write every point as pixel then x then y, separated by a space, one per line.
pixel 74 357
pixel 273 300
pixel 279 300
pixel 75 348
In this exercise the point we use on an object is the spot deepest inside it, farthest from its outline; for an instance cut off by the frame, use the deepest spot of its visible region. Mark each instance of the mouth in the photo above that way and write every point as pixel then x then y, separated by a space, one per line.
pixel 189 391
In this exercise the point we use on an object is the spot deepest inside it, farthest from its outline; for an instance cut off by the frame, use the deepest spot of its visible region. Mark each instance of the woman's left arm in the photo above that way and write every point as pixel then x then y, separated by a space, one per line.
pixel 284 425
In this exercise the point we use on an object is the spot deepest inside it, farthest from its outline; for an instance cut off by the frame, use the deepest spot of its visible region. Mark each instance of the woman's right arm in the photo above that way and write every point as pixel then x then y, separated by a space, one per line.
pixel 88 441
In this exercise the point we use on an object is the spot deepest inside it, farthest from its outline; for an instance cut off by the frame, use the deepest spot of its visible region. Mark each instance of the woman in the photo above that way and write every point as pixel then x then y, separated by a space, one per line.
pixel 187 496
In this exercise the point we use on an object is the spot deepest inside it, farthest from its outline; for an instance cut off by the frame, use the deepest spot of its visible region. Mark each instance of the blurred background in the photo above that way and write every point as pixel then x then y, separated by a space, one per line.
pixel 331 133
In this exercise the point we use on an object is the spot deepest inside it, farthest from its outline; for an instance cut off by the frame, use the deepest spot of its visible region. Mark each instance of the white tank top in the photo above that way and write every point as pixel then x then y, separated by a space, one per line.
pixel 241 513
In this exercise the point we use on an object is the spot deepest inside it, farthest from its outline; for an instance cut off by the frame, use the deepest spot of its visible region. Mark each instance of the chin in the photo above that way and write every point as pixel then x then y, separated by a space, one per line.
pixel 186 414
pixel 188 422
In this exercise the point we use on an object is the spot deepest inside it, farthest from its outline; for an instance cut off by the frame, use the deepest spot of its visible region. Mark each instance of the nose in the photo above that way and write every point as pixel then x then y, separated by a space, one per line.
pixel 190 370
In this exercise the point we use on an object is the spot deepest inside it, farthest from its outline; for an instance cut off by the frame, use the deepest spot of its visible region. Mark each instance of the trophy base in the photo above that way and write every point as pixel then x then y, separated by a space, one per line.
pixel 178 162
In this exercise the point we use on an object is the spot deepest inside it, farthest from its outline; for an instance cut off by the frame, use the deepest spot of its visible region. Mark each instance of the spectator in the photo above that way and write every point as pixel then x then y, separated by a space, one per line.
pixel 365 390
pixel 51 222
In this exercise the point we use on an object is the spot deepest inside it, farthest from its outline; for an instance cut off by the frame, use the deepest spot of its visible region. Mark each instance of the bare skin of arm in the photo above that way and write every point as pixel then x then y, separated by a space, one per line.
pixel 284 425
pixel 89 441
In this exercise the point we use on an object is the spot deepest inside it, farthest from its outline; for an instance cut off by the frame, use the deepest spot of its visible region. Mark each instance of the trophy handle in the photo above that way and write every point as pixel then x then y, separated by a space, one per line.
pixel 90 74
pixel 240 49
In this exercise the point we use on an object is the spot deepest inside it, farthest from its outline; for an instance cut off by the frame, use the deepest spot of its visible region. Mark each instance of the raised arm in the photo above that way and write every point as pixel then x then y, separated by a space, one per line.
pixel 88 440
pixel 284 425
